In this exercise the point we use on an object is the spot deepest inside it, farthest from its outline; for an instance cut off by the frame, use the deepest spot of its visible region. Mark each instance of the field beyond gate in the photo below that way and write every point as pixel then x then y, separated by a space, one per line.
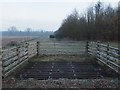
pixel 63 47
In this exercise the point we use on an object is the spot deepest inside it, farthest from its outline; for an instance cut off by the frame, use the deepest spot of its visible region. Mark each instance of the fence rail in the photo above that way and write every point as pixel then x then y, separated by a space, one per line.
pixel 14 57
pixel 106 54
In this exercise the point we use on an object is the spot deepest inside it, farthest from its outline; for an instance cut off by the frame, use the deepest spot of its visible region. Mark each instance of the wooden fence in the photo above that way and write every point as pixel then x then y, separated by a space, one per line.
pixel 106 54
pixel 14 57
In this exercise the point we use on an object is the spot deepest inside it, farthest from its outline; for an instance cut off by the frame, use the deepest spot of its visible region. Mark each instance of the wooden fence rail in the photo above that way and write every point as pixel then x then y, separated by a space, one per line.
pixel 108 55
pixel 14 57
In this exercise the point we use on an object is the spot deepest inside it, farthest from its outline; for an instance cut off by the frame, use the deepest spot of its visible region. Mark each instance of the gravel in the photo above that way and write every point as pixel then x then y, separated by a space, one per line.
pixel 61 83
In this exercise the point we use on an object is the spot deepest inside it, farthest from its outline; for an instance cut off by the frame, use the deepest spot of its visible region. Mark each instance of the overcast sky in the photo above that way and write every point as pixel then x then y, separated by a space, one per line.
pixel 45 14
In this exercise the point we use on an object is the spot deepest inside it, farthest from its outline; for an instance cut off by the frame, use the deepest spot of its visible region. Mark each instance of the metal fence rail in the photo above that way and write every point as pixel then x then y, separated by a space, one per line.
pixel 105 53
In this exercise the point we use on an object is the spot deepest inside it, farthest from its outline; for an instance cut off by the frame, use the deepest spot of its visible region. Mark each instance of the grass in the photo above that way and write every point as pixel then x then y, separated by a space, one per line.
pixel 61 58
pixel 62 47
pixel 113 44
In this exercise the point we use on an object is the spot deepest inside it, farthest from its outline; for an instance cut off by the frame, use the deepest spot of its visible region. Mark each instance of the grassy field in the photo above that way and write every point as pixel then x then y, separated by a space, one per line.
pixel 6 40
pixel 113 44
pixel 61 58
pixel 71 48
pixel 50 43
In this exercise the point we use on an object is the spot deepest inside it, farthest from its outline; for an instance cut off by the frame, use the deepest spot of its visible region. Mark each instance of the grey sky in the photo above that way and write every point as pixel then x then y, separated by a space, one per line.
pixel 42 15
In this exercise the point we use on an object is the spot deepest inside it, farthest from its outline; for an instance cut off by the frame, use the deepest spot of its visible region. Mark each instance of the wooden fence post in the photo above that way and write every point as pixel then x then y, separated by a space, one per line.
pixel 87 47
pixel 2 64
pixel 27 51
pixel 38 44
pixel 98 49
pixel 119 59
pixel 0 68
pixel 18 52
pixel 108 51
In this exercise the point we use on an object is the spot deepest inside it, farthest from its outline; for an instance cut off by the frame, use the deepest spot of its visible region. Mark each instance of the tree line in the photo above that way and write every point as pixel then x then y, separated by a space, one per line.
pixel 98 23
